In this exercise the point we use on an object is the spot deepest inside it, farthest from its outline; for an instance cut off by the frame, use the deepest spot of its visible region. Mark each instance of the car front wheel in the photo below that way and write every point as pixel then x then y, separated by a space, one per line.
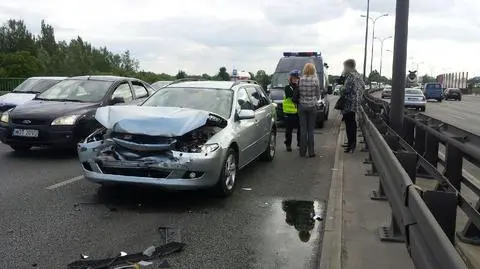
pixel 226 182
pixel 269 153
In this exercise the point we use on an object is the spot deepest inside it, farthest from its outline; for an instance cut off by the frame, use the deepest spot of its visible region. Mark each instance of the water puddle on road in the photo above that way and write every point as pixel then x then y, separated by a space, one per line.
pixel 290 235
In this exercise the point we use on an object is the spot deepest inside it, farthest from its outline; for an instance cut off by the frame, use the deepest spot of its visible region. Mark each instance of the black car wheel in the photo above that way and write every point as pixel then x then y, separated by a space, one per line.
pixel 21 148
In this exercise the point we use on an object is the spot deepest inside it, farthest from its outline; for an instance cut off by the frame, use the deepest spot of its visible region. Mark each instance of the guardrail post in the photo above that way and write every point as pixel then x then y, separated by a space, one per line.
pixel 378 194
pixel 408 160
pixel 471 234
pixel 443 206
pixel 409 132
pixel 454 165
pixel 419 145
pixel 391 233
pixel 431 151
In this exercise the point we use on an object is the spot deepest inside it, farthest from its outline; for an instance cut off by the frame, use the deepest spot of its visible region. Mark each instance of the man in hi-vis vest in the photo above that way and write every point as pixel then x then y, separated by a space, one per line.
pixel 290 110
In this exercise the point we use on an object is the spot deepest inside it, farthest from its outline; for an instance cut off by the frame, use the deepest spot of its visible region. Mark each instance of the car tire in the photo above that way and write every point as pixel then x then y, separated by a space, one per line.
pixel 422 109
pixel 21 148
pixel 226 181
pixel 326 115
pixel 439 100
pixel 269 154
pixel 460 99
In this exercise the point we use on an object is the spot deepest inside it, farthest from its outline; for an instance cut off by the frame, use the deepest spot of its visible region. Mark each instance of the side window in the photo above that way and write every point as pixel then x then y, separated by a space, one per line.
pixel 243 101
pixel 263 96
pixel 255 97
pixel 123 90
pixel 139 89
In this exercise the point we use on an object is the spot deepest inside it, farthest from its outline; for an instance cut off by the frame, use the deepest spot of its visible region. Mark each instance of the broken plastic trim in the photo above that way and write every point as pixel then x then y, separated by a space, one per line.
pixel 119 260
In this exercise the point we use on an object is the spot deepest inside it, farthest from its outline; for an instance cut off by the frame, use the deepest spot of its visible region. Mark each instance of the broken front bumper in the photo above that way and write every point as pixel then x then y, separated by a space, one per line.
pixel 175 170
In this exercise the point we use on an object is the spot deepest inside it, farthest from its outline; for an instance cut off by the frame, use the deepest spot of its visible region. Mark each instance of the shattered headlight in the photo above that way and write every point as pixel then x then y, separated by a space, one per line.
pixel 208 148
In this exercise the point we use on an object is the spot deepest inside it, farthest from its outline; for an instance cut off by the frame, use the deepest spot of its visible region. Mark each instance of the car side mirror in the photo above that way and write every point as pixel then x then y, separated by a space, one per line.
pixel 117 100
pixel 246 114
pixel 329 89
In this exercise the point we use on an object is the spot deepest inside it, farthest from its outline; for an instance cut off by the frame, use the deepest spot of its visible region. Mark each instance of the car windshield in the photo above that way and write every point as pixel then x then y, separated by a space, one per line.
pixel 387 89
pixel 35 85
pixel 414 91
pixel 213 100
pixel 434 86
pixel 76 90
pixel 280 80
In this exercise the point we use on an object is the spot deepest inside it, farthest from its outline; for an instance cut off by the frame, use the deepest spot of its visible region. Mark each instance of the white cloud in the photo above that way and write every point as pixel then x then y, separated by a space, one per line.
pixel 201 35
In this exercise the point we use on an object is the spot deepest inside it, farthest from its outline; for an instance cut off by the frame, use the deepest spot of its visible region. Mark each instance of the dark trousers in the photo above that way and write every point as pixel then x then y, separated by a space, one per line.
pixel 307 116
pixel 351 128
pixel 291 123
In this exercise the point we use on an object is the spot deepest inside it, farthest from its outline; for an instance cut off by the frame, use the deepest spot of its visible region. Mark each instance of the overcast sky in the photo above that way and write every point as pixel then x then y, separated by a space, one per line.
pixel 199 36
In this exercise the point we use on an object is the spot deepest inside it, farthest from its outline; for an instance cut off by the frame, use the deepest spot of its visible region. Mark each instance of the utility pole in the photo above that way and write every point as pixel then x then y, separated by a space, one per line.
pixel 399 65
pixel 367 17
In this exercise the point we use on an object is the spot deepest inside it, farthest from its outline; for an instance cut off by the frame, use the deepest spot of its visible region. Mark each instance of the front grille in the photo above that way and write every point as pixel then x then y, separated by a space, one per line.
pixel 30 121
pixel 140 172
pixel 143 139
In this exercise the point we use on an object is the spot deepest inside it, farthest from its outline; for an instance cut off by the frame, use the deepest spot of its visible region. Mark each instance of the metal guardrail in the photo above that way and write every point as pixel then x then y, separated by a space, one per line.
pixel 424 219
pixel 8 84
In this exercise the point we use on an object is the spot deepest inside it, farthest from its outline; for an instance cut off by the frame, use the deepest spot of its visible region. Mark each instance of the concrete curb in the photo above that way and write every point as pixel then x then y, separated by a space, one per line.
pixel 331 255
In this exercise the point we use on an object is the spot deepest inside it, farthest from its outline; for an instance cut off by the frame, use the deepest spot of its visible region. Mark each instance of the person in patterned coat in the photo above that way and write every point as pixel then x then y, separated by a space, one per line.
pixel 353 86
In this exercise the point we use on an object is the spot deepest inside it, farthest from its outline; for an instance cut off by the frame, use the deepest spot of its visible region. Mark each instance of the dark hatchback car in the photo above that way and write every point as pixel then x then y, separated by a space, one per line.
pixel 65 114
pixel 453 94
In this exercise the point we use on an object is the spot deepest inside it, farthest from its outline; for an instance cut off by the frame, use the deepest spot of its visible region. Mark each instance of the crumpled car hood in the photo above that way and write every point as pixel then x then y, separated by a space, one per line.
pixel 153 121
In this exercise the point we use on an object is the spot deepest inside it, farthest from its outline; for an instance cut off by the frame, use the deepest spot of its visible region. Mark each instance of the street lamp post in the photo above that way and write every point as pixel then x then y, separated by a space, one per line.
pixel 374 20
pixel 381 51
pixel 366 43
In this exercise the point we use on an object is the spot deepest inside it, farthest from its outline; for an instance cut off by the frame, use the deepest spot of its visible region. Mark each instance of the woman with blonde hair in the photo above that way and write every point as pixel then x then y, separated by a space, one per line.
pixel 310 92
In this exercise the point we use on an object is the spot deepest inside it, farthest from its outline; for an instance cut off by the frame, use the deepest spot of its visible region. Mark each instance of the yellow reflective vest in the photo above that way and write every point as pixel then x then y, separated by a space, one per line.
pixel 289 107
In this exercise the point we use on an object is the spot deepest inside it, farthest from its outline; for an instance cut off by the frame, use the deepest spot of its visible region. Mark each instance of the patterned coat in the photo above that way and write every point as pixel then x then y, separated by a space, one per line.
pixel 354 86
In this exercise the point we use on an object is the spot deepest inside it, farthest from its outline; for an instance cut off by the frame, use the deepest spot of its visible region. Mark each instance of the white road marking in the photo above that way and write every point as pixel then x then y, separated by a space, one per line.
pixel 63 183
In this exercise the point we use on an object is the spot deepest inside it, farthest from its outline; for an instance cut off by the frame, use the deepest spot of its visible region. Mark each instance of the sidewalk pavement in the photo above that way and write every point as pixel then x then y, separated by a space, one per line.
pixel 351 239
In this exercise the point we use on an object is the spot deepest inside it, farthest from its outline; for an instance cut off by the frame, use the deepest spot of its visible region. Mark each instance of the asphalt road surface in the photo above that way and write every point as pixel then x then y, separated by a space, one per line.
pixel 463 114
pixel 50 215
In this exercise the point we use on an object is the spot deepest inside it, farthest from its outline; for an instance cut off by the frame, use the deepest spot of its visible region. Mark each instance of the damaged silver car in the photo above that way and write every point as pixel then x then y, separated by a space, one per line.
pixel 189 135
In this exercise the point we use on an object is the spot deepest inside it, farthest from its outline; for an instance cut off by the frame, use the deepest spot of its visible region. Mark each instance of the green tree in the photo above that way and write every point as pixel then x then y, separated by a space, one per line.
pixel 252 75
pixel 426 79
pixel 262 78
pixel 223 74
pixel 206 77
pixel 181 74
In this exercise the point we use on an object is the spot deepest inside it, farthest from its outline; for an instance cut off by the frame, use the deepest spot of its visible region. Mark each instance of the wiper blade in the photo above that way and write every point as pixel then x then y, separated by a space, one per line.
pixel 68 100
pixel 43 99
pixel 25 92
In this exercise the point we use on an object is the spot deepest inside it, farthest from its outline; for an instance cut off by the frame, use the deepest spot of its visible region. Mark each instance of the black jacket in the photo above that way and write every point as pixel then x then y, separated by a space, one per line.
pixel 291 91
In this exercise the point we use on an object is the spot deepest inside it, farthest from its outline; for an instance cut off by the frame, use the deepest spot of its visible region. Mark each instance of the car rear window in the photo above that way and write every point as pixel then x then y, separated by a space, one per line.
pixel 434 86
pixel 413 92
pixel 276 94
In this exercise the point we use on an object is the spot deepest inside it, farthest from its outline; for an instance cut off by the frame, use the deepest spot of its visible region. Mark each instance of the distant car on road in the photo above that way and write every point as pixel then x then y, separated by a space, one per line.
pixel 160 84
pixel 64 114
pixel 414 98
pixel 453 94
pixel 387 92
pixel 189 135
pixel 433 91
pixel 26 91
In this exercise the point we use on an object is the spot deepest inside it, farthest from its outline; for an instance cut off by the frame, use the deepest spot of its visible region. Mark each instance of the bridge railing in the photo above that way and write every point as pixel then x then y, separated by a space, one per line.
pixel 422 217
pixel 8 84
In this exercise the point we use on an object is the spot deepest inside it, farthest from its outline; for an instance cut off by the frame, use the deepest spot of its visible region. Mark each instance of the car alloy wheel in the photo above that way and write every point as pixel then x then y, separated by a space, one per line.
pixel 230 171
pixel 269 153
pixel 226 182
